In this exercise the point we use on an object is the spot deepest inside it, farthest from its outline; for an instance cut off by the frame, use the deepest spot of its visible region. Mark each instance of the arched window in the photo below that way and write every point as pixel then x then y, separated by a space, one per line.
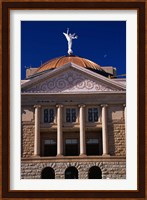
pixel 95 173
pixel 71 173
pixel 48 173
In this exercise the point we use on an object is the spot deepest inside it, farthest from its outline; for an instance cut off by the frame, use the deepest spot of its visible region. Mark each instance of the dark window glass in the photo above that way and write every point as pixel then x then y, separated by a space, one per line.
pixel 51 115
pixel 95 173
pixel 90 115
pixel 48 173
pixel 73 115
pixel 70 115
pixel 92 141
pixel 93 114
pixel 71 141
pixel 50 147
pixel 46 115
pixel 71 147
pixel 71 173
pixel 92 146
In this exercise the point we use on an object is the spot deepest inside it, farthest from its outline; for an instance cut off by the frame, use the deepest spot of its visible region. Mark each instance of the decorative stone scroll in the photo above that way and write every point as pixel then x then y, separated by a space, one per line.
pixel 70 81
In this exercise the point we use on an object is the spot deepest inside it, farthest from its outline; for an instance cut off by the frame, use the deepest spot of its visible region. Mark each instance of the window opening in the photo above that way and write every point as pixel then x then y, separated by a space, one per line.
pixel 50 147
pixel 71 173
pixel 95 173
pixel 92 114
pixel 70 115
pixel 48 115
pixel 92 146
pixel 48 173
pixel 71 147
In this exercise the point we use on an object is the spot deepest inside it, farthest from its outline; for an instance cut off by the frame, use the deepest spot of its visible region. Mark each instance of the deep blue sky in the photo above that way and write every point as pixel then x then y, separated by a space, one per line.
pixel 103 42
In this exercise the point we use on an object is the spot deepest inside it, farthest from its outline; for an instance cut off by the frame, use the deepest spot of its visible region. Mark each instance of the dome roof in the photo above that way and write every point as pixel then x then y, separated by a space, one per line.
pixel 60 61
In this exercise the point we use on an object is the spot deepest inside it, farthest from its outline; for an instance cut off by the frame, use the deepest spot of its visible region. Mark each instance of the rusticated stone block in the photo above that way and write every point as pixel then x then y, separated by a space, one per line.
pixel 27 140
pixel 116 139
pixel 110 170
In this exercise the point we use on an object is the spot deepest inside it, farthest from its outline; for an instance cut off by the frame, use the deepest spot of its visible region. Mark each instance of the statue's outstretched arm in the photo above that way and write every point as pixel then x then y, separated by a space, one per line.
pixel 75 37
pixel 66 35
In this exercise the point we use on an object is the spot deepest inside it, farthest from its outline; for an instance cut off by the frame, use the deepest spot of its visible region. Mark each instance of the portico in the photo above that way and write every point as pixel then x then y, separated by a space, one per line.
pixel 79 137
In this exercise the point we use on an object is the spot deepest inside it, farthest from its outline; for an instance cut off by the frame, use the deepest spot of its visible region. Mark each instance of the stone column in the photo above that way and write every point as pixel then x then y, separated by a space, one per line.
pixel 104 129
pixel 124 105
pixel 59 131
pixel 37 131
pixel 82 130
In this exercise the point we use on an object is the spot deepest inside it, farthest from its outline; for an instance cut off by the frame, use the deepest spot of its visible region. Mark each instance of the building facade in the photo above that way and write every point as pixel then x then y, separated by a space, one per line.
pixel 73 121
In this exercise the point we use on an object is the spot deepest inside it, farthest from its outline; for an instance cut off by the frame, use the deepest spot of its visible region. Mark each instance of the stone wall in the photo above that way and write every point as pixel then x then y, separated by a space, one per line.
pixel 110 169
pixel 27 131
pixel 27 140
pixel 27 114
pixel 116 139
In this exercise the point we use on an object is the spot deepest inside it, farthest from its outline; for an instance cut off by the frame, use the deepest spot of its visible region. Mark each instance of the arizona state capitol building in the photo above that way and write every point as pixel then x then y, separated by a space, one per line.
pixel 73 120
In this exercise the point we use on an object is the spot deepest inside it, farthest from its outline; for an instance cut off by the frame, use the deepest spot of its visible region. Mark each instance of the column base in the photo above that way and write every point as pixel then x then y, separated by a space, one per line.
pixel 106 154
pixel 83 154
pixel 59 155
pixel 36 156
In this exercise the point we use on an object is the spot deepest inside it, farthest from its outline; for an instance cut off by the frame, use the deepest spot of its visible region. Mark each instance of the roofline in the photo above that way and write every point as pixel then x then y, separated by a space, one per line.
pixel 73 65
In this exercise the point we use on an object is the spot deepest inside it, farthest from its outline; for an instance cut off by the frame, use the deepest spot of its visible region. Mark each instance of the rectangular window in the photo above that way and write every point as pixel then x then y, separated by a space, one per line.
pixel 48 115
pixel 92 114
pixel 45 115
pixel 92 146
pixel 73 115
pixel 51 115
pixel 71 141
pixel 50 147
pixel 92 141
pixel 71 147
pixel 50 141
pixel 95 113
pixel 70 115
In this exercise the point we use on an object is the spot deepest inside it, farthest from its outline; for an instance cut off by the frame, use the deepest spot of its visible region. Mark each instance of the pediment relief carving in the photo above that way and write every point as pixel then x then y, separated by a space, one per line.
pixel 70 81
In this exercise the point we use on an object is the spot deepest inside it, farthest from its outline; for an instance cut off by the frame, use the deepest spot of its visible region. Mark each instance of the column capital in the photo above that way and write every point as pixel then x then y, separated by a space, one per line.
pixel 104 105
pixel 81 105
pixel 59 106
pixel 37 106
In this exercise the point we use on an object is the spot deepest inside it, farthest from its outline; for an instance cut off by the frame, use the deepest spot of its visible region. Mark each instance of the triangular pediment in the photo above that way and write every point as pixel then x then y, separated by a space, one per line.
pixel 71 78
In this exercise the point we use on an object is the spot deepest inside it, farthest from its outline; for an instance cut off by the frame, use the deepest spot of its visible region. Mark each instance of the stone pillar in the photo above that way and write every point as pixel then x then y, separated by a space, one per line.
pixel 59 131
pixel 37 131
pixel 104 129
pixel 124 105
pixel 82 130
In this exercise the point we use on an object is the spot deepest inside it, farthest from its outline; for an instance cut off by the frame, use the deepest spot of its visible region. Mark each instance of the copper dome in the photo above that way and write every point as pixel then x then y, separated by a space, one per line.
pixel 60 61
